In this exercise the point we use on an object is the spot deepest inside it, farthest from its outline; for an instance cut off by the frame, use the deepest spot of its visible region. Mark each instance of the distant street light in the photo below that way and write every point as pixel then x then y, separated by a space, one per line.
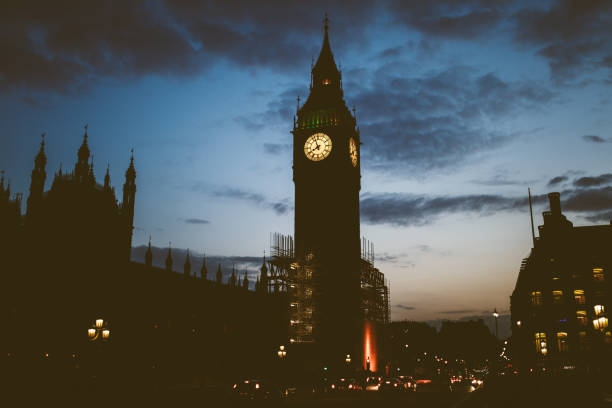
pixel 348 359
pixel 281 352
pixel 496 315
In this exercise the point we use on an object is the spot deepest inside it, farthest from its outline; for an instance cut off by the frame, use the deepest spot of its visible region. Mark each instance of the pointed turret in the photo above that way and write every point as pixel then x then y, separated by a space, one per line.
pixel 187 266
pixel 37 184
pixel 81 168
pixel 203 270
pixel 245 280
pixel 325 73
pixel 149 256
pixel 232 279
pixel 107 186
pixel 219 275
pixel 325 106
pixel 263 279
pixel 90 176
pixel 3 196
pixel 127 206
pixel 169 259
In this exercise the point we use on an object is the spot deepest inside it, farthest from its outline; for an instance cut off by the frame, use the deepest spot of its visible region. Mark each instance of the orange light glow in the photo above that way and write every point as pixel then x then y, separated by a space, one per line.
pixel 369 346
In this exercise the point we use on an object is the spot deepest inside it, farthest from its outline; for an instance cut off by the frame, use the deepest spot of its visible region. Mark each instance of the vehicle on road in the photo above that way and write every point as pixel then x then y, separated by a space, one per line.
pixel 255 389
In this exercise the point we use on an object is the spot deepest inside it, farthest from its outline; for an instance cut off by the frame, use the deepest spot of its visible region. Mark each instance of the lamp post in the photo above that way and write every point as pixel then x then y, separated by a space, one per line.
pixel 281 353
pixel 99 331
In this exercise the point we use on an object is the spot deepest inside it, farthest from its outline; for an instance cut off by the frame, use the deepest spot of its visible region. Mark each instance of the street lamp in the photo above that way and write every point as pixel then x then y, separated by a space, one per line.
pixel 348 359
pixel 281 352
pixel 98 331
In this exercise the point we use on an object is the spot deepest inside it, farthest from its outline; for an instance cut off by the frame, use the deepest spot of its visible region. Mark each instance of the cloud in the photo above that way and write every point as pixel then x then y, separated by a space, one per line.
pixel 499 180
pixel 587 200
pixel 199 221
pixel 461 311
pixel 573 36
pixel 280 207
pixel 416 210
pixel 402 210
pixel 600 217
pixel 404 307
pixel 448 118
pixel 593 181
pixel 449 19
pixel 556 180
pixel 594 139
pixel 68 48
pixel 276 148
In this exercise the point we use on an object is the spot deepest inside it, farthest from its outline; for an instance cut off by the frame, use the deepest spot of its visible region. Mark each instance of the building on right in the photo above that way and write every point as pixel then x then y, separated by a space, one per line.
pixel 561 302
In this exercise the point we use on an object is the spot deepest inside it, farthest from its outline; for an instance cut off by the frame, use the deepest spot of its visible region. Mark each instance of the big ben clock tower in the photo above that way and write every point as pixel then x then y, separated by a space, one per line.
pixel 326 174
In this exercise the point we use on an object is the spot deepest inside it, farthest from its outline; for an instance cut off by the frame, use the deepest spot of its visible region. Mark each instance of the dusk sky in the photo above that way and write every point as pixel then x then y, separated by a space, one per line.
pixel 462 106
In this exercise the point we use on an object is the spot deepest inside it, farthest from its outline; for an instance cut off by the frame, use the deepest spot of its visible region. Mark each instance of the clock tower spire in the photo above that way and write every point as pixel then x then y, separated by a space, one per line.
pixel 326 175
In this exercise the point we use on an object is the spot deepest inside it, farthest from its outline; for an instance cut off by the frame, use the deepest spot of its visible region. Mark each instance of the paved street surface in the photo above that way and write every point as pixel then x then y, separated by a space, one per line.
pixel 540 392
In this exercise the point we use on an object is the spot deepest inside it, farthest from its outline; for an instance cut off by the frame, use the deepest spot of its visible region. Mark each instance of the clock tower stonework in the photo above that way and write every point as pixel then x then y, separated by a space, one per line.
pixel 327 178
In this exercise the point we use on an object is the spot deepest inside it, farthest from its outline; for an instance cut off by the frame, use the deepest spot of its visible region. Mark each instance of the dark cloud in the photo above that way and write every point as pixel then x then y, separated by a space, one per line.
pixel 404 307
pixel 574 36
pixel 276 148
pixel 556 180
pixel 594 139
pixel 587 200
pixel 64 46
pixel 594 181
pixel 438 120
pixel 600 217
pixel 415 210
pixel 461 311
pixel 280 207
pixel 199 221
pixel 450 19
pixel 407 209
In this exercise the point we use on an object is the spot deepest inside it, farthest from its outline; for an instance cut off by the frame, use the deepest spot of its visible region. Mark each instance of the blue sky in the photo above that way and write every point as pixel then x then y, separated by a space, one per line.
pixel 461 105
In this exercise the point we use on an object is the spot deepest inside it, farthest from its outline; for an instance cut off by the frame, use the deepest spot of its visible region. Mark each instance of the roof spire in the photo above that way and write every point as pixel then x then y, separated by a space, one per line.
pixel 149 255
pixel 107 183
pixel 326 23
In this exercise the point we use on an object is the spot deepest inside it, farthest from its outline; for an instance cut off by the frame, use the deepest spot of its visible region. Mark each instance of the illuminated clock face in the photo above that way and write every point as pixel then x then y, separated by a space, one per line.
pixel 318 146
pixel 353 151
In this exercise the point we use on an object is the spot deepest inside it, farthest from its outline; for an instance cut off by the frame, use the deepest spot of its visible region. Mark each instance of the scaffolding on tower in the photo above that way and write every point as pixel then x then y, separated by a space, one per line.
pixel 288 275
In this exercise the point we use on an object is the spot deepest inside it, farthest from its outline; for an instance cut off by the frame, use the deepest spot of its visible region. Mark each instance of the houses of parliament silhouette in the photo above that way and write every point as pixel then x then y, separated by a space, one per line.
pixel 66 266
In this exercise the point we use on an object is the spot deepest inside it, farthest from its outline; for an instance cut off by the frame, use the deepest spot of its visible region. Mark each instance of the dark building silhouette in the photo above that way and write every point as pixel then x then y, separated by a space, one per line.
pixel 561 303
pixel 66 263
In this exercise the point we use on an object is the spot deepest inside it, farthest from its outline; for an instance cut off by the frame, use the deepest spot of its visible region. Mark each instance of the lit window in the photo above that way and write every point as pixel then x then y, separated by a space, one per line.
pixel 582 341
pixel 600 323
pixel 581 315
pixel 536 297
pixel 326 81
pixel 557 296
pixel 598 274
pixel 540 343
pixel 599 310
pixel 579 296
pixel 562 342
